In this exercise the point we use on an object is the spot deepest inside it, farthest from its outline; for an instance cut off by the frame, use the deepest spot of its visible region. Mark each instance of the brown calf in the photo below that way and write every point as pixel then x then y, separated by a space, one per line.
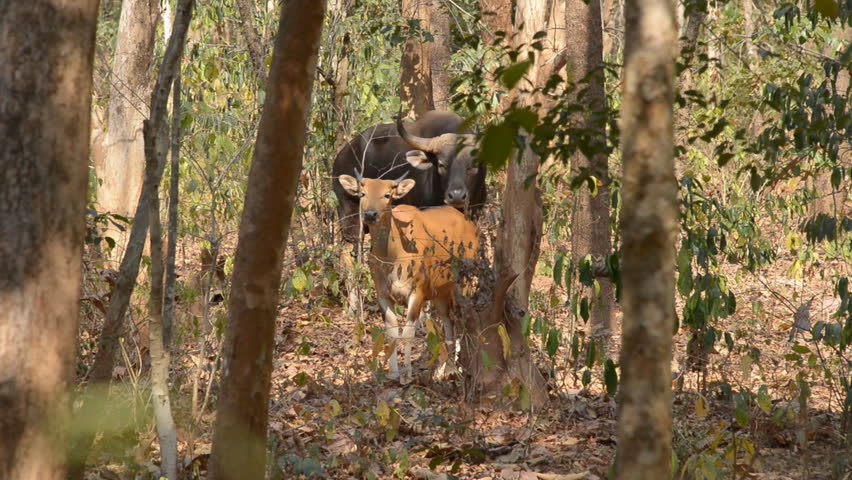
pixel 411 257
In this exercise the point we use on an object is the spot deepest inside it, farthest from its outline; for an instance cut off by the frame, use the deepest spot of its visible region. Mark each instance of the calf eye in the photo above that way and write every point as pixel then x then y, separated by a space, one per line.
pixel 387 195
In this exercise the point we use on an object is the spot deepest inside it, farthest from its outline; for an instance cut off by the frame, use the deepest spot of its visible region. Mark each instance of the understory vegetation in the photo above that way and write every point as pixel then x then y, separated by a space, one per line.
pixel 762 360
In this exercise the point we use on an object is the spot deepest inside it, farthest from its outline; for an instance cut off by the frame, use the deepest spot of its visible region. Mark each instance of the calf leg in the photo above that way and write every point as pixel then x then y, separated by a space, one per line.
pixel 415 304
pixel 442 306
pixel 391 334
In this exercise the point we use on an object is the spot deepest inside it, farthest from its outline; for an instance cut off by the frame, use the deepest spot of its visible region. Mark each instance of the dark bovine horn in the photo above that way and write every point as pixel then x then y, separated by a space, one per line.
pixel 358 176
pixel 400 179
pixel 420 143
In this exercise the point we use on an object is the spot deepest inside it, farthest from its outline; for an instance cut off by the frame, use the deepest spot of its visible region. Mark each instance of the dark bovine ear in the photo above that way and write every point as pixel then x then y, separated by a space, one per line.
pixel 349 184
pixel 418 159
pixel 403 188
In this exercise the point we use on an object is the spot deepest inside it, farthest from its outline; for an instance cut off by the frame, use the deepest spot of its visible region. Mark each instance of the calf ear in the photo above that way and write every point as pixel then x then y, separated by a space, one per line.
pixel 403 188
pixel 418 159
pixel 349 184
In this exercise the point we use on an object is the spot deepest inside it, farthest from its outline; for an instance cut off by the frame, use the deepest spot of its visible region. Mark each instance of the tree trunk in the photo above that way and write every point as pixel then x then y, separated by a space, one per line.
pixel 47 50
pixel 102 368
pixel 649 231
pixel 247 11
pixel 174 192
pixel 160 356
pixel 518 245
pixel 749 29
pixel 517 249
pixel 124 162
pixel 239 442
pixel 590 224
pixel 415 83
pixel 497 16
pixel 439 19
pixel 695 17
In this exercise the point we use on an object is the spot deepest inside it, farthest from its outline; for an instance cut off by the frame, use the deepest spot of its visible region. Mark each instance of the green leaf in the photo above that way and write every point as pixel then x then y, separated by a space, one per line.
pixel 524 399
pixel 514 73
pixel 801 349
pixel 486 360
pixel 610 378
pixel 526 323
pixel 764 401
pixel 553 341
pixel 300 280
pixel 557 269
pixel 504 340
pixel 497 144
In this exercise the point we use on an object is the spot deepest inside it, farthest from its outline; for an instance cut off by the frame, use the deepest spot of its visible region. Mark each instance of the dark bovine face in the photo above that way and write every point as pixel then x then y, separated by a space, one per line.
pixel 458 168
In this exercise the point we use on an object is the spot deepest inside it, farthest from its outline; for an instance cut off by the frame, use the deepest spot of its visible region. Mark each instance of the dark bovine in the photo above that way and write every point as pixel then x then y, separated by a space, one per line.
pixel 386 155
pixel 462 176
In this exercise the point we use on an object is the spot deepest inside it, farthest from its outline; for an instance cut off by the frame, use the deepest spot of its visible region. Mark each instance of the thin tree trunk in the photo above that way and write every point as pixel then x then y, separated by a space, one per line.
pixel 590 223
pixel 748 19
pixel 415 85
pixel 124 162
pixel 695 18
pixel 102 369
pixel 46 50
pixel 247 11
pixel 649 229
pixel 159 350
pixel 239 442
pixel 174 192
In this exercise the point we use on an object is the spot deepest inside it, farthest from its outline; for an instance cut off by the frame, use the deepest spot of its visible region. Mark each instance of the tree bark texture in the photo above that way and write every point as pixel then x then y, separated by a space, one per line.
pixel 518 245
pixel 160 356
pixel 46 53
pixel 254 44
pixel 497 17
pixel 649 231
pixel 239 443
pixel 439 20
pixel 591 223
pixel 124 162
pixel 155 145
pixel 424 80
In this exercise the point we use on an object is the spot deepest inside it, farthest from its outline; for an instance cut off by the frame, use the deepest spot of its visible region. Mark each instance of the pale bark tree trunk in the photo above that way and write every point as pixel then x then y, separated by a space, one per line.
pixel 47 50
pixel 692 29
pixel 339 11
pixel 649 231
pixel 102 368
pixel 159 349
pixel 517 249
pixel 248 12
pixel 590 223
pixel 439 20
pixel 518 245
pixel 239 442
pixel 174 192
pixel 424 80
pixel 497 16
pixel 124 162
pixel 160 356
pixel 749 29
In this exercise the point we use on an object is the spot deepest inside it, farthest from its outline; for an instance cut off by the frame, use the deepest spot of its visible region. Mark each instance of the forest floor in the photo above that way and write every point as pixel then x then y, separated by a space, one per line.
pixel 333 416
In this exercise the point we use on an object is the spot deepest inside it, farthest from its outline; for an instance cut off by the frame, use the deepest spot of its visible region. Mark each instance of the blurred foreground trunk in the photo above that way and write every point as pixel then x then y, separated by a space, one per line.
pixel 46 53
pixel 649 229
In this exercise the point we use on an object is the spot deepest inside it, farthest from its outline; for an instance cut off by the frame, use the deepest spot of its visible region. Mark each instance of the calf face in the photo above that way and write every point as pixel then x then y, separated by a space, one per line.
pixel 377 196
